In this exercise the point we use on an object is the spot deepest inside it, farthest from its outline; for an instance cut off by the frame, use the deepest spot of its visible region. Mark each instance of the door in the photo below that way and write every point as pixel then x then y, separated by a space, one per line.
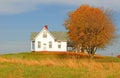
pixel 44 47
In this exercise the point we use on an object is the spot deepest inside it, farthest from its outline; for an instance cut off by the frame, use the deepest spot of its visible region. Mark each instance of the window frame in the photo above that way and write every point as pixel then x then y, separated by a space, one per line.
pixel 39 44
pixel 59 44
pixel 50 44
pixel 44 34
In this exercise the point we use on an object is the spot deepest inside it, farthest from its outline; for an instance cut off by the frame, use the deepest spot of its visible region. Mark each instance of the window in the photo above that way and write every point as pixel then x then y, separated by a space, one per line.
pixel 39 44
pixel 50 44
pixel 44 34
pixel 59 44
pixel 33 44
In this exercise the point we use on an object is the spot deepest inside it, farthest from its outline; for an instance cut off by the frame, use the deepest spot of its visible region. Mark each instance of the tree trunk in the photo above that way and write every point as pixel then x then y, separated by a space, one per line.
pixel 77 49
pixel 82 49
pixel 91 51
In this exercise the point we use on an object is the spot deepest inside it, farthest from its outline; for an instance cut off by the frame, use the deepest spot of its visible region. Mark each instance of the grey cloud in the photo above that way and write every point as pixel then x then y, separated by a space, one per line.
pixel 20 6
pixel 10 47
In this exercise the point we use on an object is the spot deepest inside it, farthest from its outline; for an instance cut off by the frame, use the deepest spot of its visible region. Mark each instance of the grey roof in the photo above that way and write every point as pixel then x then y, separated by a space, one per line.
pixel 33 35
pixel 58 35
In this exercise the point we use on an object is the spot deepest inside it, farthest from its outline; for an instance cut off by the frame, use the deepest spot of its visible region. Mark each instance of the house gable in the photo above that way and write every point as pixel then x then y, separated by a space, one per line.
pixel 34 35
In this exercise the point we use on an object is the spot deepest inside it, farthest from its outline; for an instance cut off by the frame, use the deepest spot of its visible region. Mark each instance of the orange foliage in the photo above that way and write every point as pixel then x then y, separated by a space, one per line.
pixel 90 28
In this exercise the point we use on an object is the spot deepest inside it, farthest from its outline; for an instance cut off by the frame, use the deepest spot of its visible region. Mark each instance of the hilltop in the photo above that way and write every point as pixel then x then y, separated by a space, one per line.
pixel 58 65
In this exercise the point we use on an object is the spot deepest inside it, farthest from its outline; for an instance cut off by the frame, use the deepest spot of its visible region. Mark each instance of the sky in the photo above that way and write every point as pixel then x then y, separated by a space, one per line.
pixel 18 18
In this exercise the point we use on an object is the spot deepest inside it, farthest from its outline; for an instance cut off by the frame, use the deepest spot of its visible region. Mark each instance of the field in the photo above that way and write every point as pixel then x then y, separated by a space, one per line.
pixel 58 65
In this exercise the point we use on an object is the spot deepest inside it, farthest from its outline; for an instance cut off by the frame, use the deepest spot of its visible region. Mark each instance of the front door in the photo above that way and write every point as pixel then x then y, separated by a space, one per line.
pixel 44 47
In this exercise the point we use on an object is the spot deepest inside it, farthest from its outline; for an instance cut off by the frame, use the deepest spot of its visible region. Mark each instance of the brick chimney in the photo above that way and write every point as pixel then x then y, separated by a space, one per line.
pixel 46 27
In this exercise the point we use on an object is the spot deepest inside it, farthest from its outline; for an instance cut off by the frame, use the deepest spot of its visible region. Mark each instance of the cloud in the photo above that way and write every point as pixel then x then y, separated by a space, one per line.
pixel 20 6
pixel 16 6
pixel 12 47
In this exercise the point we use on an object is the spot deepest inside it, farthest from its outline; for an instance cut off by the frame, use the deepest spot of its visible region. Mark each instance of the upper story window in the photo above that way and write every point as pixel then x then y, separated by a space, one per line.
pixel 39 44
pixel 44 34
pixel 50 44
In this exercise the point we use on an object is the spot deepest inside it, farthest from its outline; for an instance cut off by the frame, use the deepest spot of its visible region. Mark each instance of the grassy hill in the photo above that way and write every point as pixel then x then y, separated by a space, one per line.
pixel 58 65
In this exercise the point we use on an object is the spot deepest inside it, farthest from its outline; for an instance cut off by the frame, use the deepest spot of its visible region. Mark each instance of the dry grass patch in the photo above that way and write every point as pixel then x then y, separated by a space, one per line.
pixel 67 62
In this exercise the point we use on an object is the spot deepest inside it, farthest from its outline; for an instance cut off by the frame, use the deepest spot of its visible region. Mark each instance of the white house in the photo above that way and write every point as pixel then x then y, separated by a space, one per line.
pixel 46 40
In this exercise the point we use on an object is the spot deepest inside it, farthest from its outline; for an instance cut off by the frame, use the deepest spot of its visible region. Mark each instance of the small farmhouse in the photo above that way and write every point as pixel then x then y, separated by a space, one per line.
pixel 46 40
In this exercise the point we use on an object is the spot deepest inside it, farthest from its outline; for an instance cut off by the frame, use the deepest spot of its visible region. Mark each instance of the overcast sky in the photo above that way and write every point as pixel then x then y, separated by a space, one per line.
pixel 18 18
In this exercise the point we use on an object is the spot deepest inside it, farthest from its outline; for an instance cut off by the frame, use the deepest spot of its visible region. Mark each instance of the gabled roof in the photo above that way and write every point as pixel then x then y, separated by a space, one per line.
pixel 62 36
pixel 33 35
pixel 58 35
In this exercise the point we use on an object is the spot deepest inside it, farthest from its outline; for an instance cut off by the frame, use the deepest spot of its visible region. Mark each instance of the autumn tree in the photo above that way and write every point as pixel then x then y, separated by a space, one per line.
pixel 90 28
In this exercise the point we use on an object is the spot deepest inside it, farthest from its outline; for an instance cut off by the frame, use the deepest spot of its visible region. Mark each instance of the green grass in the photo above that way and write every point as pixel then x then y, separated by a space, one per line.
pixel 29 56
pixel 40 56
pixel 40 65
pixel 24 71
